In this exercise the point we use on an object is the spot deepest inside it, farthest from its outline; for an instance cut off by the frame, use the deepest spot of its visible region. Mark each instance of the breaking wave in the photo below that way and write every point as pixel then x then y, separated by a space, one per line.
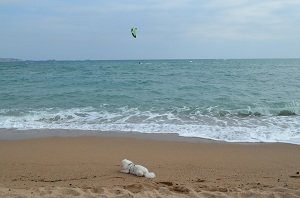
pixel 243 125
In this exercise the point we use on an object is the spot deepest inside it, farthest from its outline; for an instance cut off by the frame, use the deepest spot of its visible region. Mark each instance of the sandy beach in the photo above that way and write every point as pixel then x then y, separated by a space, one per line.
pixel 88 166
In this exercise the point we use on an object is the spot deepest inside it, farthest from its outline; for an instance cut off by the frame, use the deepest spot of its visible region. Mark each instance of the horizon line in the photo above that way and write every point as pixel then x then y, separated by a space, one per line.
pixel 150 59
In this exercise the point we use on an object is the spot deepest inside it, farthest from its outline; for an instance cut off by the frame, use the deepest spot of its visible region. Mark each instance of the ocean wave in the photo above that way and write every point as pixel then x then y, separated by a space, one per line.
pixel 233 126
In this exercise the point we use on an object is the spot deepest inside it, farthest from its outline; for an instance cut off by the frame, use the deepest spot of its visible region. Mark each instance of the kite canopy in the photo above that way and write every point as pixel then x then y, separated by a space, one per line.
pixel 133 31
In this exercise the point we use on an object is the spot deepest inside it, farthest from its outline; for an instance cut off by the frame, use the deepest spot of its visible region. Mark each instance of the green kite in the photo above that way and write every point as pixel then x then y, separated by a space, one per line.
pixel 133 31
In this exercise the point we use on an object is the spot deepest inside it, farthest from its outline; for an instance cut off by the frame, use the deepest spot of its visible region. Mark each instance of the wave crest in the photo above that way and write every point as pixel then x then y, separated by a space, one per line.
pixel 238 125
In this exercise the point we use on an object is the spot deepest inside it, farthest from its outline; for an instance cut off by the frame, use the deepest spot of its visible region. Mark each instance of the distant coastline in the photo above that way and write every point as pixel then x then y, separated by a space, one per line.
pixel 9 60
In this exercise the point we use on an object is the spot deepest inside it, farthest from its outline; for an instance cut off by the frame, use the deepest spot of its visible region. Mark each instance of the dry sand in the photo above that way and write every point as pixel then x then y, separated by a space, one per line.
pixel 89 167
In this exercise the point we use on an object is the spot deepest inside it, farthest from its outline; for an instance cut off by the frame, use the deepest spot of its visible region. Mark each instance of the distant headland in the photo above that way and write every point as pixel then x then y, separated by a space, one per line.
pixel 9 59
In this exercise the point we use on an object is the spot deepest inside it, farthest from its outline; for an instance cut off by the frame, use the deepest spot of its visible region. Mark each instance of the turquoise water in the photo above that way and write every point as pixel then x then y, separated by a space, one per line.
pixel 232 100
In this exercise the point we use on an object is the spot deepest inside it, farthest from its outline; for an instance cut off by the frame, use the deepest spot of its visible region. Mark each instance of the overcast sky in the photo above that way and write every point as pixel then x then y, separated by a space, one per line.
pixel 100 29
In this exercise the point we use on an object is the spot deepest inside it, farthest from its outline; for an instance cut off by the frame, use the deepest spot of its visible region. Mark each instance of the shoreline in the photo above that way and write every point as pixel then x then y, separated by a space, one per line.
pixel 20 134
pixel 16 134
pixel 89 166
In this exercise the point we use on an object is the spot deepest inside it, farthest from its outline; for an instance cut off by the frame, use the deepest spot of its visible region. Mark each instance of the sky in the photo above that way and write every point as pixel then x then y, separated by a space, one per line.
pixel 167 29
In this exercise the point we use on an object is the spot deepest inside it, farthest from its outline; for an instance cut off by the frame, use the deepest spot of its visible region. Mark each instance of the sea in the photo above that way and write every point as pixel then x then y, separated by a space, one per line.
pixel 247 100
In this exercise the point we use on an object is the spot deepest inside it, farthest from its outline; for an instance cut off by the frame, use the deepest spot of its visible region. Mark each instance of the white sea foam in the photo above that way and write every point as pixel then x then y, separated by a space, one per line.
pixel 226 128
